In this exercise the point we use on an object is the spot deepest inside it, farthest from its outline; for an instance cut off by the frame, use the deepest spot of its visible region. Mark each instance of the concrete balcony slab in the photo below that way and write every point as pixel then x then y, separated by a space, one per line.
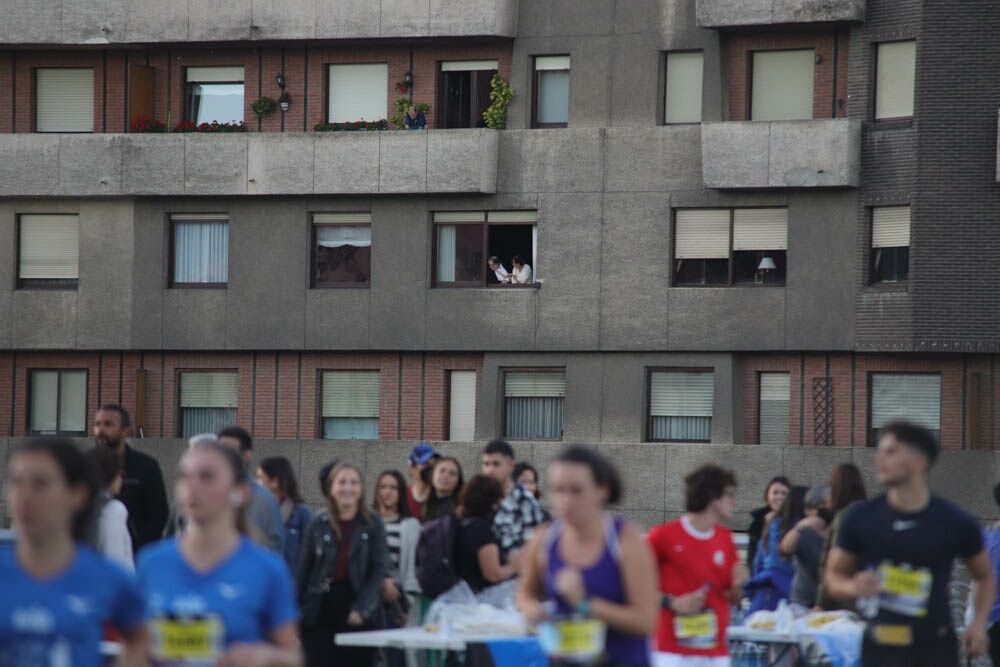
pixel 729 14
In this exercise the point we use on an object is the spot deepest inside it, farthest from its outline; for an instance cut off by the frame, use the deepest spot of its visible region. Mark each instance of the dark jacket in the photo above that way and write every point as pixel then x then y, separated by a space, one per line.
pixel 145 497
pixel 295 531
pixel 368 565
pixel 756 529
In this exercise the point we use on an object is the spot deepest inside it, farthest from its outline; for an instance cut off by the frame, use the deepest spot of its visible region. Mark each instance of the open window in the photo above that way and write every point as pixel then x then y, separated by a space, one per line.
pixel 890 251
pixel 214 94
pixel 464 92
pixel 718 247
pixel 467 241
pixel 342 249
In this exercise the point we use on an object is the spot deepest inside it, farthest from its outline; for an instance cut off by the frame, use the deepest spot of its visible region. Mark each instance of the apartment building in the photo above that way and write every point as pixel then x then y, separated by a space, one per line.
pixel 757 230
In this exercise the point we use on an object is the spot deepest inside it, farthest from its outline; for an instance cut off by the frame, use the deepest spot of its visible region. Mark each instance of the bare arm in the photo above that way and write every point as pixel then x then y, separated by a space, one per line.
pixel 489 564
pixel 529 583
pixel 135 650
pixel 843 581
pixel 283 651
pixel 984 593
pixel 638 616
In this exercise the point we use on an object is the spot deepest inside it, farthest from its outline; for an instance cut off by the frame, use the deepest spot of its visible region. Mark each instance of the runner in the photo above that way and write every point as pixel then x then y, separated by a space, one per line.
pixel 51 611
pixel 894 555
pixel 589 562
pixel 214 596
pixel 700 574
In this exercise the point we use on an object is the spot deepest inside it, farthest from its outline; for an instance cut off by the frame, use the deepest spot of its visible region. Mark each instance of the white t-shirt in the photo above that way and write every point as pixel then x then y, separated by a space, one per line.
pixel 501 273
pixel 521 276
pixel 113 539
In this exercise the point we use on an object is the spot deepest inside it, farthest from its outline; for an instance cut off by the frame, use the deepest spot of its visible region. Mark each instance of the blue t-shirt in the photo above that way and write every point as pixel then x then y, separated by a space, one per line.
pixel 991 538
pixel 194 616
pixel 57 622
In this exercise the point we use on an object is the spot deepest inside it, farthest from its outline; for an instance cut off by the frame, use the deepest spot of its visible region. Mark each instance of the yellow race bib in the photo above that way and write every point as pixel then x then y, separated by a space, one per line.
pixel 575 640
pixel 199 638
pixel 904 591
pixel 697 631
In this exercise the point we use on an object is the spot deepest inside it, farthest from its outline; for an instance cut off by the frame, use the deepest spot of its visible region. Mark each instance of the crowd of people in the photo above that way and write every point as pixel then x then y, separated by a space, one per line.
pixel 243 572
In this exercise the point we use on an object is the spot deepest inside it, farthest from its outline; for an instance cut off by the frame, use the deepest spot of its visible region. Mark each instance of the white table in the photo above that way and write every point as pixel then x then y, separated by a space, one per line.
pixel 780 644
pixel 415 638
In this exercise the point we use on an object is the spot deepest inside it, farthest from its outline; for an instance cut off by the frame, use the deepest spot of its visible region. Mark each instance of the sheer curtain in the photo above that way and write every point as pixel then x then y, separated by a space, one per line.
pixel 201 252
pixel 205 420
pixel 447 249
pixel 681 428
pixel 529 418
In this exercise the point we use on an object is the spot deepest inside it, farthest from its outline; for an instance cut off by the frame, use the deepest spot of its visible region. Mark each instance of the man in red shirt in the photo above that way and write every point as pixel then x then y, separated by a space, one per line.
pixel 700 574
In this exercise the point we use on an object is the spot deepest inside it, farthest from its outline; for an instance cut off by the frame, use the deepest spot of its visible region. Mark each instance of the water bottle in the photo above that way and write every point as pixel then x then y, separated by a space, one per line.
pixel 783 620
pixel 761 656
pixel 868 607
pixel 737 655
pixel 446 621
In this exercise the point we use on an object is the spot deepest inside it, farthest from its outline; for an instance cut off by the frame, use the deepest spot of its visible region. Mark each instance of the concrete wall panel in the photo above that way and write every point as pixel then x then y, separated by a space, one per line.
pixel 90 21
pixel 551 161
pixel 354 18
pixel 480 319
pixel 696 313
pixel 152 164
pixel 653 159
pixel 45 319
pixel 337 319
pixel 399 304
pixel 280 164
pixel 194 319
pixel 403 162
pixel 105 286
pixel 215 164
pixel 405 18
pixel 90 165
pixel 30 164
pixel 285 19
pixel 222 20
pixel 347 163
pixel 156 21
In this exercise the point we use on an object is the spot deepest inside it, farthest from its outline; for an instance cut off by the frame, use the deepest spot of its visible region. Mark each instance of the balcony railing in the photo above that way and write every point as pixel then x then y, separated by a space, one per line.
pixel 729 14
pixel 431 162
pixel 782 154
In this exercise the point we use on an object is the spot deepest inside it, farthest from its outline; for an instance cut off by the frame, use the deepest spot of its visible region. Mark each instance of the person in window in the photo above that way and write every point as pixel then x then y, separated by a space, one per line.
pixel 415 119
pixel 521 275
pixel 498 269
pixel 446 482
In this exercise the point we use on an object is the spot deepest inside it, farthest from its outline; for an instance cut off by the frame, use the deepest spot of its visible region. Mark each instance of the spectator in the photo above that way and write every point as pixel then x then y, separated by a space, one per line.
pixel 344 561
pixel 264 512
pixel 421 461
pixel 519 512
pixel 804 544
pixel 446 482
pixel 991 539
pixel 415 119
pixel 477 548
pixel 773 572
pixel 774 495
pixel 498 269
pixel 109 526
pixel 527 476
pixel 143 492
pixel 277 476
pixel 521 275
pixel 847 487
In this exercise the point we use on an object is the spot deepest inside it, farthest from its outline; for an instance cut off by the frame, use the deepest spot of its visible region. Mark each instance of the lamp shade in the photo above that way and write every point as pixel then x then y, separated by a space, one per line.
pixel 767 264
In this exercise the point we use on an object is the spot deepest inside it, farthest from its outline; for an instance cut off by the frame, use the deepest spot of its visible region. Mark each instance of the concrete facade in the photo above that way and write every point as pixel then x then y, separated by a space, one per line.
pixel 725 14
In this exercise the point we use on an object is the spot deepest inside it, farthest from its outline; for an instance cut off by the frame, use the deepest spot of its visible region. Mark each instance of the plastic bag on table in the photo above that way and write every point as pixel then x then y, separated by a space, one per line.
pixel 500 596
pixel 459 610
pixel 837 644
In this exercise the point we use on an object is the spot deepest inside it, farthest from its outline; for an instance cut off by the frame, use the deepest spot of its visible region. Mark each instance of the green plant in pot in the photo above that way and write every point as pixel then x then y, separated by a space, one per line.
pixel 500 96
pixel 264 106
pixel 402 105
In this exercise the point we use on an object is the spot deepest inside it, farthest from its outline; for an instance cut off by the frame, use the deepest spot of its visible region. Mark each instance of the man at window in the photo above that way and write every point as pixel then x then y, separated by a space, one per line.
pixel 498 269
pixel 415 119
pixel 521 275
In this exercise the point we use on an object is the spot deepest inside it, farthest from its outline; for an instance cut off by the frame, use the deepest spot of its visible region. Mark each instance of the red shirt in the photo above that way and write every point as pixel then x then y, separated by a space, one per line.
pixel 343 556
pixel 414 505
pixel 686 563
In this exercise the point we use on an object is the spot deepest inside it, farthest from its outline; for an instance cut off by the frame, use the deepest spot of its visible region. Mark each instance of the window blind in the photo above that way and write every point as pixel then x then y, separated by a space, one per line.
pixel 342 235
pixel 760 229
pixel 702 234
pixel 774 399
pixel 64 100
pixel 782 85
pixel 551 63
pixel 527 217
pixel 681 393
pixel 358 92
pixel 215 74
pixel 469 65
pixel 459 216
pixel 351 394
pixel 910 396
pixel 891 227
pixel 684 87
pixel 343 218
pixel 535 385
pixel 462 406
pixel 209 389
pixel 49 247
pixel 894 79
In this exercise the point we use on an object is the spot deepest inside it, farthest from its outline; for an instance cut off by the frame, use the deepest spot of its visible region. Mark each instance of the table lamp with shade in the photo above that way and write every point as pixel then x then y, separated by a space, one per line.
pixel 766 264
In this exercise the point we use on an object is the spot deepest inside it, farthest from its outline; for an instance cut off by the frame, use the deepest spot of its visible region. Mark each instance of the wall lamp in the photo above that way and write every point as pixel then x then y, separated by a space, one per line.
pixel 281 80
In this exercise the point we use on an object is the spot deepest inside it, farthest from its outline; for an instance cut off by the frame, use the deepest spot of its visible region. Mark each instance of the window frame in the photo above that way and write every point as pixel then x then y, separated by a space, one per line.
pixel 666 74
pixel 648 435
pixel 172 253
pixel 483 282
pixel 441 117
pixel 31 370
pixel 189 92
pixel 750 83
pixel 20 283
pixel 535 81
pixel 314 256
pixel 885 284
pixel 870 440
pixel 730 281
pixel 34 101
pixel 760 404
pixel 893 121
pixel 178 372
pixel 503 400
pixel 318 425
pixel 448 398
pixel 327 89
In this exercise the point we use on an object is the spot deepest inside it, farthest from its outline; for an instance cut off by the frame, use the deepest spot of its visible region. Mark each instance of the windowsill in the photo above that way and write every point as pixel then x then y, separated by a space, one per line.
pixel 66 132
pixel 549 126
pixel 897 287
pixel 672 123
pixel 198 286
pixel 48 288
pixel 736 286
pixel 360 286
pixel 448 286
pixel 891 123
pixel 512 439
pixel 681 442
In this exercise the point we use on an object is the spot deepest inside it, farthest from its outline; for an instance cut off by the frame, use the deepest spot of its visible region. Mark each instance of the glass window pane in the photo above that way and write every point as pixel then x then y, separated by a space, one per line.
pixel 73 402
pixel 534 418
pixel 44 398
pixel 684 87
pixel 681 428
pixel 460 253
pixel 553 96
pixel 783 85
pixel 222 102
pixel 350 428
pixel 201 252
pixel 206 420
pixel 895 77
pixel 343 254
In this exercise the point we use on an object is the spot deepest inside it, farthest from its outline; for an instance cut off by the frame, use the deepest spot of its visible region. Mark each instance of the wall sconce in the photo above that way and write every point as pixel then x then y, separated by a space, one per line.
pixel 408 78
pixel 281 80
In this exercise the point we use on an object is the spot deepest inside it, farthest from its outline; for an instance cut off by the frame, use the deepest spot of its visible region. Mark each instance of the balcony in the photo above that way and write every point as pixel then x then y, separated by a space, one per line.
pixel 782 154
pixel 431 162
pixel 741 13
pixel 155 21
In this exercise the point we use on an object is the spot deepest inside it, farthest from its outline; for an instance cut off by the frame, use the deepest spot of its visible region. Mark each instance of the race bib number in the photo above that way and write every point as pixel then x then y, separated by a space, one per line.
pixel 699 631
pixel 905 591
pixel 187 641
pixel 893 635
pixel 583 639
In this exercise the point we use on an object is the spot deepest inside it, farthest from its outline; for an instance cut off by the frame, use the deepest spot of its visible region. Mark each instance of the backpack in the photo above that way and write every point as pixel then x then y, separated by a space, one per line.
pixel 435 561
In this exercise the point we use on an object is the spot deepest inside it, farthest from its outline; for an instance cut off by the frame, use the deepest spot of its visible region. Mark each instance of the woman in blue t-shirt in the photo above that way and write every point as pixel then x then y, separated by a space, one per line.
pixel 215 597
pixel 57 594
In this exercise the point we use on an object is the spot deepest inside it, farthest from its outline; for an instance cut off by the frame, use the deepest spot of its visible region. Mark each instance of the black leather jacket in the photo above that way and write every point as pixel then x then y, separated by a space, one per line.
pixel 367 566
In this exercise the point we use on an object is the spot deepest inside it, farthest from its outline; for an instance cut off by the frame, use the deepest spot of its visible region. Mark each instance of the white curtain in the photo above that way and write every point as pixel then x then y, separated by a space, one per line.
pixel 681 428
pixel 339 236
pixel 447 249
pixel 530 418
pixel 201 252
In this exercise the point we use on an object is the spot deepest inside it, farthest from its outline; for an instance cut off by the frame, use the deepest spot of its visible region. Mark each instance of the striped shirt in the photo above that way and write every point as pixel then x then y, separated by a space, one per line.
pixel 393 541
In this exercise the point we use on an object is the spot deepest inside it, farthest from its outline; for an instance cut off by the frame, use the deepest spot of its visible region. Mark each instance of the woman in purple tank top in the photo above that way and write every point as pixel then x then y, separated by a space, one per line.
pixel 589 563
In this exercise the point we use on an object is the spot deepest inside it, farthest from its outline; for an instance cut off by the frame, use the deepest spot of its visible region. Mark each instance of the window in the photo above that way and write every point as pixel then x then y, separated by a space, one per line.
pixel 914 397
pixel 342 249
pixel 200 250
pixel 350 405
pixel 683 89
pixel 551 103
pixel 680 405
pixel 64 100
pixel 358 92
pixel 743 246
pixel 466 240
pixel 895 74
pixel 57 402
pixel 773 409
pixel 782 85
pixel 533 404
pixel 208 401
pixel 48 253
pixel 465 92
pixel 215 94
pixel 462 406
pixel 890 244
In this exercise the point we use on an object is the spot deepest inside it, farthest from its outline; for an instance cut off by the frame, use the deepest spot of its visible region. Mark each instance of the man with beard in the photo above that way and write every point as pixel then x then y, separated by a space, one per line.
pixel 143 492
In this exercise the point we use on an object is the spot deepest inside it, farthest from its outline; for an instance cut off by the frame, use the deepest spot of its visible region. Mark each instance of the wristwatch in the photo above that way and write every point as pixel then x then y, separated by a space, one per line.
pixel 667 601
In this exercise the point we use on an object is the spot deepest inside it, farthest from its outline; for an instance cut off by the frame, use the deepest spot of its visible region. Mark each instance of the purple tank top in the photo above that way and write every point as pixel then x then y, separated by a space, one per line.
pixel 603 580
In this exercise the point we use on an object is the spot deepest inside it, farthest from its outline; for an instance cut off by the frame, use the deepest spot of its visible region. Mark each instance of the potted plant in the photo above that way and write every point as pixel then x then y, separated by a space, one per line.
pixel 501 94
pixel 263 106
pixel 284 100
